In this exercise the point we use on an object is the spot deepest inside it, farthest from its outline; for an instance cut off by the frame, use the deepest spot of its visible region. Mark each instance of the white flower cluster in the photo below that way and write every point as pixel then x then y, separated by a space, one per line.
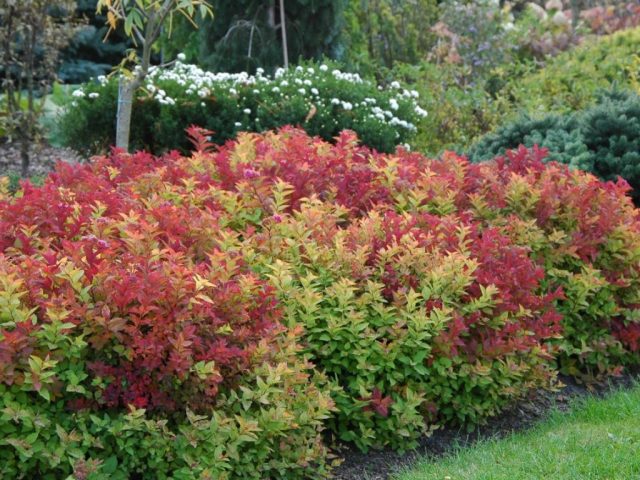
pixel 319 88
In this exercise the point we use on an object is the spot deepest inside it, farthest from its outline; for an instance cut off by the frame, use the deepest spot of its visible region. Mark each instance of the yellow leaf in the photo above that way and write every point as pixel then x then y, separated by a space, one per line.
pixel 111 20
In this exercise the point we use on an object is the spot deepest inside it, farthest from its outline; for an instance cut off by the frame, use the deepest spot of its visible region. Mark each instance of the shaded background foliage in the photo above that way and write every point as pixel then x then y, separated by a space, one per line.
pixel 89 53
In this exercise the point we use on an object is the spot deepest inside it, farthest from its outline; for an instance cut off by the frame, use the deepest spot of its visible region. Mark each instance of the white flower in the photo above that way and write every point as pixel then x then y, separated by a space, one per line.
pixel 78 94
pixel 247 111
pixel 314 91
pixel 279 73
pixel 311 70
pixel 420 111
pixel 259 70
pixel 395 84
pixel 182 57
pixel 302 91
pixel 275 89
pixel 299 69
pixel 202 104
pixel 335 101
pixel 393 103
pixel 238 124
pixel 233 91
pixel 284 83
pixel 307 82
pixel 347 105
pixel 324 68
pixel 94 95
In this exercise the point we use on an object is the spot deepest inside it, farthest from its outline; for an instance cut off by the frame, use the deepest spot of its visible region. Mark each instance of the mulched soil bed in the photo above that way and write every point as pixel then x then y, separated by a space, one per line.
pixel 381 464
pixel 43 159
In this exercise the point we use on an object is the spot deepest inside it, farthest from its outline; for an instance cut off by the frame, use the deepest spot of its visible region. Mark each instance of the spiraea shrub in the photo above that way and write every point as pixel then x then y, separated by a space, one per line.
pixel 319 98
pixel 212 313
pixel 132 346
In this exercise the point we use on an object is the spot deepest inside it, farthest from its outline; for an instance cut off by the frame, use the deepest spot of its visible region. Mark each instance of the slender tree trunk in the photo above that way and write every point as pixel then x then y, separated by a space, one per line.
pixel 24 156
pixel 271 14
pixel 128 86
pixel 28 118
pixel 126 93
pixel 283 26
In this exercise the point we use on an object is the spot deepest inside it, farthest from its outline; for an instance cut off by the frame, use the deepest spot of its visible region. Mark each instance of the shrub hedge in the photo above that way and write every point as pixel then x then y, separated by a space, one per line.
pixel 603 139
pixel 160 316
pixel 317 97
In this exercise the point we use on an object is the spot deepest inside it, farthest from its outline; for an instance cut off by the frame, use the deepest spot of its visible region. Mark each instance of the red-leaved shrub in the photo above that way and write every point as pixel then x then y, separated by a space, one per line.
pixel 426 290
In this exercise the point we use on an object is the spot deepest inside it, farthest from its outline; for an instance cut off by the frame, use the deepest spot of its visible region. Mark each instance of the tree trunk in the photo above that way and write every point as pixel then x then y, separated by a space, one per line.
pixel 24 156
pixel 283 26
pixel 126 92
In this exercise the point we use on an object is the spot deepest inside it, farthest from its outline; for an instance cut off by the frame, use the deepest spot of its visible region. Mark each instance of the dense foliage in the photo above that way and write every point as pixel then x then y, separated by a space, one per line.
pixel 458 113
pixel 603 139
pixel 130 344
pixel 571 80
pixel 422 291
pixel 382 33
pixel 319 98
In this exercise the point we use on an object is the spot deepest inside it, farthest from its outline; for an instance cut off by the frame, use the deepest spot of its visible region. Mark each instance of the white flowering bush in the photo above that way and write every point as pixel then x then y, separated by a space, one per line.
pixel 319 98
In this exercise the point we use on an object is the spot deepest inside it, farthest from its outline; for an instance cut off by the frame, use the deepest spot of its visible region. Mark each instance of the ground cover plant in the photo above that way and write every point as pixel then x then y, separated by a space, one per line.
pixel 315 285
pixel 598 438
pixel 321 99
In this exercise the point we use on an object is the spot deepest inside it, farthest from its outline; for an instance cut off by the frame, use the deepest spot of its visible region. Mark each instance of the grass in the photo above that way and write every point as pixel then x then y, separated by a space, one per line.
pixel 597 439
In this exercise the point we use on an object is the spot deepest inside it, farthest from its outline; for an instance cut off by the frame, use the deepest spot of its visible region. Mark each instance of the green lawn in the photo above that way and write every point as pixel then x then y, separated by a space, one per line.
pixel 598 439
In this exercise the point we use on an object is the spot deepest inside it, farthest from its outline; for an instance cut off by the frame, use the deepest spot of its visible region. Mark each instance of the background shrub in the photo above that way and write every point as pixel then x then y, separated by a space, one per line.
pixel 458 113
pixel 571 80
pixel 603 139
pixel 320 99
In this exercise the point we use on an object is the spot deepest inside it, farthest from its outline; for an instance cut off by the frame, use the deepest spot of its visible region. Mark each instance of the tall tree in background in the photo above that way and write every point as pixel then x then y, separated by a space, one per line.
pixel 143 21
pixel 32 34
pixel 246 34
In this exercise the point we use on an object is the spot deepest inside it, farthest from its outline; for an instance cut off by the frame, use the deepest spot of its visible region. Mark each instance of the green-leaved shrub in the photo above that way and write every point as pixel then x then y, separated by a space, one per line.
pixel 316 97
pixel 571 80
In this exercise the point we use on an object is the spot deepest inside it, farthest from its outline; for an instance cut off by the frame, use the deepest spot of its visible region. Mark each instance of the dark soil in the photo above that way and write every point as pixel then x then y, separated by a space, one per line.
pixel 43 159
pixel 382 464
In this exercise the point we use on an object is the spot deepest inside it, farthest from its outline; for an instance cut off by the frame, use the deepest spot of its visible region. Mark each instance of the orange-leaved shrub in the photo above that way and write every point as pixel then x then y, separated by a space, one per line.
pixel 222 308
